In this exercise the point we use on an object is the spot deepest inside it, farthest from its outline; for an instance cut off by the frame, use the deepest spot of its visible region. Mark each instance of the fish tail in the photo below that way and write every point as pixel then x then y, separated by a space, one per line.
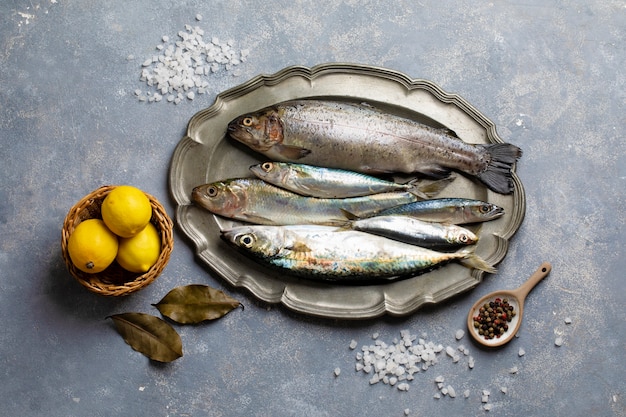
pixel 428 189
pixel 497 175
pixel 471 260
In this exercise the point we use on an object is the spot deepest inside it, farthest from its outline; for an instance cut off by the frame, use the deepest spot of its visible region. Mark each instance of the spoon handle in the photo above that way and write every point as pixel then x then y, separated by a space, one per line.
pixel 543 270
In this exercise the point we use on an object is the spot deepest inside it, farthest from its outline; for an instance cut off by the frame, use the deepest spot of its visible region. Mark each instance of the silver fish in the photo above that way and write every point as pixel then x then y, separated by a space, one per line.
pixel 323 252
pixel 253 200
pixel 325 182
pixel 448 210
pixel 361 138
pixel 416 232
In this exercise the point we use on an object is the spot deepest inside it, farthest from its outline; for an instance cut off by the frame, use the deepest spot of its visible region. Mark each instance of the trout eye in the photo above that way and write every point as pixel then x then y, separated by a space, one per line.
pixel 211 191
pixel 246 240
pixel 247 121
pixel 485 208
pixel 267 166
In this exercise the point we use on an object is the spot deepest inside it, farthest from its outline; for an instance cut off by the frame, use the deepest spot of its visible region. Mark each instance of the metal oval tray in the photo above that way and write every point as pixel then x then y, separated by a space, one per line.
pixel 206 154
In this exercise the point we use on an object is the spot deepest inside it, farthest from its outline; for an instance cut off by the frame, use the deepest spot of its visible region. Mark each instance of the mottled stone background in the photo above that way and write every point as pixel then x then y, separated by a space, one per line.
pixel 549 74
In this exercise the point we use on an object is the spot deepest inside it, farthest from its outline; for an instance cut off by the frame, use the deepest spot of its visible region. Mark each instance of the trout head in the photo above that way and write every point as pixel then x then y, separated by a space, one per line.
pixel 259 131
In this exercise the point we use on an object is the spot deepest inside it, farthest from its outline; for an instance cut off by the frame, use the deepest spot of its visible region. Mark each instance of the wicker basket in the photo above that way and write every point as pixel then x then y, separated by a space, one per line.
pixel 116 281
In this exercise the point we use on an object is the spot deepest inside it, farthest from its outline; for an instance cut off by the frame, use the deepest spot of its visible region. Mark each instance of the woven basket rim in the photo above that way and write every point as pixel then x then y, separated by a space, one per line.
pixel 114 281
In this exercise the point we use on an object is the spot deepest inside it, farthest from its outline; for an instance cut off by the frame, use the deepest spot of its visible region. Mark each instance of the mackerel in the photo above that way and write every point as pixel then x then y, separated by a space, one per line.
pixel 326 253
pixel 255 201
pixel 322 182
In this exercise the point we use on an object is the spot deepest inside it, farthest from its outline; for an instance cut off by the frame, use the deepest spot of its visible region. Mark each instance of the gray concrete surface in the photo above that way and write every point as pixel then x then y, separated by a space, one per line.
pixel 550 75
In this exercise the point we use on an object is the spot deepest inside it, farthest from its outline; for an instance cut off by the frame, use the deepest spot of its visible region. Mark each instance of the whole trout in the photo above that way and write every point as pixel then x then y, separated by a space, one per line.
pixel 360 138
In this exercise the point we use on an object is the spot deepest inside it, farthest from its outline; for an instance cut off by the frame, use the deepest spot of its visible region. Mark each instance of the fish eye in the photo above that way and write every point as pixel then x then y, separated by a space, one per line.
pixel 463 238
pixel 247 121
pixel 267 166
pixel 485 208
pixel 211 191
pixel 246 240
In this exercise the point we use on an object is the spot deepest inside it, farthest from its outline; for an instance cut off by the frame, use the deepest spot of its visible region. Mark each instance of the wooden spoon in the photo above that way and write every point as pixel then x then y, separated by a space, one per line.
pixel 516 299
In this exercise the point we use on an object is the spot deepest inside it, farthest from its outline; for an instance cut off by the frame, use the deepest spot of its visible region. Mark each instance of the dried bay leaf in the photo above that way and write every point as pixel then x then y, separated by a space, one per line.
pixel 149 335
pixel 192 304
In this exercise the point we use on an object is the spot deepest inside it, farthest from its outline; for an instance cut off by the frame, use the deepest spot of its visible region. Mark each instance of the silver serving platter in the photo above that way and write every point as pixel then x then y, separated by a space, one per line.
pixel 206 154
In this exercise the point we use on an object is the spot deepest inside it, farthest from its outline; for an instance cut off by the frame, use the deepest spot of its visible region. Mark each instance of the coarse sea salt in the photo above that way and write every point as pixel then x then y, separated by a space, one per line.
pixel 180 68
pixel 396 363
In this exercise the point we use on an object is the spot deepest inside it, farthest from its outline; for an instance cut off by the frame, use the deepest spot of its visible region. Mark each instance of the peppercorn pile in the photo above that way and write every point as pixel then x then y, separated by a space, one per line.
pixel 493 318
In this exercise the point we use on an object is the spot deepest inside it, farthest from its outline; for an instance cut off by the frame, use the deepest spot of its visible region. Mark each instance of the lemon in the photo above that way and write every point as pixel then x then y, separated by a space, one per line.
pixel 140 252
pixel 92 246
pixel 126 210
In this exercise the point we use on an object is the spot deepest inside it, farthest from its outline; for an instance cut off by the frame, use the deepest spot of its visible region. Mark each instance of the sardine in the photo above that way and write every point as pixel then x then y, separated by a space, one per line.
pixel 361 138
pixel 253 200
pixel 322 182
pixel 416 232
pixel 447 210
pixel 323 252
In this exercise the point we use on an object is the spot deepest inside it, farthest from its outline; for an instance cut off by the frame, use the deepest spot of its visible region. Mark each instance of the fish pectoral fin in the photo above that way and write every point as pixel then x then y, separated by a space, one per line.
pixel 255 218
pixel 299 247
pixel 291 152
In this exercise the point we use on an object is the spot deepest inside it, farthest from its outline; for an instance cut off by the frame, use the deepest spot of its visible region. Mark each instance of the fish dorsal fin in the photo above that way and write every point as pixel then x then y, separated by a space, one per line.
pixel 349 215
pixel 449 132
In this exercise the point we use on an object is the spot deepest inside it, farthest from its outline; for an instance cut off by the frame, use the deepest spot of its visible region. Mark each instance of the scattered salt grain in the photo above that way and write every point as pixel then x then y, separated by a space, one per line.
pixel 459 334
pixel 558 341
pixel 407 411
pixel 397 362
pixel 451 392
pixel 521 352
pixel 504 390
pixel 437 396
pixel 353 344
pixel 568 320
pixel 485 397
pixel 337 372
pixel 513 370
pixel 487 407
pixel 470 362
pixel 181 65
pixel 466 393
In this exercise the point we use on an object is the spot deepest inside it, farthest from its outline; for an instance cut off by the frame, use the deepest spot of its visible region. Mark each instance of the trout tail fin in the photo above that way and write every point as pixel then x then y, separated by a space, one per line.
pixel 497 175
pixel 471 260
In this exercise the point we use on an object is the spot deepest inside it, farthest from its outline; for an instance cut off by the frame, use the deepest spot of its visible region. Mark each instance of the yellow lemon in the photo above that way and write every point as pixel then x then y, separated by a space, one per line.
pixel 140 252
pixel 92 246
pixel 126 210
